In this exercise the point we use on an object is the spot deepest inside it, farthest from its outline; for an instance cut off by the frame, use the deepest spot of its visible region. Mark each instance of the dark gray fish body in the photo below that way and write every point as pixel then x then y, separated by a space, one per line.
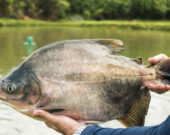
pixel 81 79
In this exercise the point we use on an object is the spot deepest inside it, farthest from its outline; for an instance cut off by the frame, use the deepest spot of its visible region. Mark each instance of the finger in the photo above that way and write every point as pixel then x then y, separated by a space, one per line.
pixel 150 86
pixel 167 87
pixel 45 115
pixel 161 87
pixel 56 119
pixel 155 86
pixel 157 58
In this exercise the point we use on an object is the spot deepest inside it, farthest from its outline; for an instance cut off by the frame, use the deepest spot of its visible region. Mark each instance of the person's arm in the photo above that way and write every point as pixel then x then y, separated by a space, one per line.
pixel 68 126
pixel 162 129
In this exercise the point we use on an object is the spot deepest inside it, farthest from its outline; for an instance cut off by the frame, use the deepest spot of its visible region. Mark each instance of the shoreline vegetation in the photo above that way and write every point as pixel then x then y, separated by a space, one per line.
pixel 129 24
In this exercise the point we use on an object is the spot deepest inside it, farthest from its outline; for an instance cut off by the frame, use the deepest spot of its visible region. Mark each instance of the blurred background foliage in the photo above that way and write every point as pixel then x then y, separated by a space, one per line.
pixel 85 9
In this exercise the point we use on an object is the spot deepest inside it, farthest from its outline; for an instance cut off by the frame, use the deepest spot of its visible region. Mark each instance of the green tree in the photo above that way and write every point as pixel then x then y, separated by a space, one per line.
pixel 18 9
pixel 113 9
pixel 149 9
pixel 101 9
pixel 87 9
pixel 52 9
pixel 6 8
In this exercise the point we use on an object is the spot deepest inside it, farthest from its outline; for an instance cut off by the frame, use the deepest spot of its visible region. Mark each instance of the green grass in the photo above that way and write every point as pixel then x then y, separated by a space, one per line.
pixel 14 22
pixel 148 25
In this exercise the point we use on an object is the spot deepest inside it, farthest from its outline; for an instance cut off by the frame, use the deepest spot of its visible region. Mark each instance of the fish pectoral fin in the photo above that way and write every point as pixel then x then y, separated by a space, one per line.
pixel 113 44
pixel 52 108
pixel 91 122
pixel 138 111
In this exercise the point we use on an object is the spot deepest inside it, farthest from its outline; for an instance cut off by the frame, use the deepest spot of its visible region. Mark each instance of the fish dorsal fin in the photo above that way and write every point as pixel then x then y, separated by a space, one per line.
pixel 138 60
pixel 113 44
pixel 136 115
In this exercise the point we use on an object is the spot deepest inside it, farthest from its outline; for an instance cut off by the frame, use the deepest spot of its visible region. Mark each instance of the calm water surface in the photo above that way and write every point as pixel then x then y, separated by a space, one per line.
pixel 137 43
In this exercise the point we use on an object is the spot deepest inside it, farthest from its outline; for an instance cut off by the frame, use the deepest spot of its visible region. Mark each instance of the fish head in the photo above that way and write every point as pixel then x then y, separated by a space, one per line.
pixel 20 90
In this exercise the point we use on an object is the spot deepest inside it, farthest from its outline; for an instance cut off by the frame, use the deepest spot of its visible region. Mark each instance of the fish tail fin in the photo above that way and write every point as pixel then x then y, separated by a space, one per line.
pixel 138 111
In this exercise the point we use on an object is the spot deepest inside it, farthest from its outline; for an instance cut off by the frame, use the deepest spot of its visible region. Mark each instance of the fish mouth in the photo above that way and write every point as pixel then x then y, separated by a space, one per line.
pixel 3 98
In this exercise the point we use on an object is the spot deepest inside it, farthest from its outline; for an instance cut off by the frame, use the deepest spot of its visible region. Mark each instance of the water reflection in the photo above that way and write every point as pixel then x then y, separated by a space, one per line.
pixel 12 52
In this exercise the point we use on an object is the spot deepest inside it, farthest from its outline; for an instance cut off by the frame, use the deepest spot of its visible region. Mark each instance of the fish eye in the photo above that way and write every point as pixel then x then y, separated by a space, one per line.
pixel 10 88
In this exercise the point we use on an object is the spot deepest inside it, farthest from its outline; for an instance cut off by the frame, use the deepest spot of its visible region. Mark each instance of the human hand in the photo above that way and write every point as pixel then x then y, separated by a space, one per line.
pixel 157 58
pixel 60 123
pixel 154 86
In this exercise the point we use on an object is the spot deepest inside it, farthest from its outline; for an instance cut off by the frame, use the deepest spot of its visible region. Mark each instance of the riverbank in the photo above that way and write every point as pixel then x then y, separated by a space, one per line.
pixel 146 25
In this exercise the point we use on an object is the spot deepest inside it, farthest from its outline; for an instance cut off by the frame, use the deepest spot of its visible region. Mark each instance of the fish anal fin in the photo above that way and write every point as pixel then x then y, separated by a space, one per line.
pixel 138 111
pixel 113 44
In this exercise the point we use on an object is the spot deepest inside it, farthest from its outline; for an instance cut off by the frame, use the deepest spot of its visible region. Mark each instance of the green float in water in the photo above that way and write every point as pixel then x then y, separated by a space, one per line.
pixel 29 44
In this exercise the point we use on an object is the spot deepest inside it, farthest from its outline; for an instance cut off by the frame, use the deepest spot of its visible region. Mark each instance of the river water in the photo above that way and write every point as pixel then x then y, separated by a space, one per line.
pixel 137 43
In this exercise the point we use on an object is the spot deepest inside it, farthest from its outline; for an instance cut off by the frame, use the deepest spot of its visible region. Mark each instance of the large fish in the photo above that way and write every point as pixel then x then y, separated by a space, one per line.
pixel 85 80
